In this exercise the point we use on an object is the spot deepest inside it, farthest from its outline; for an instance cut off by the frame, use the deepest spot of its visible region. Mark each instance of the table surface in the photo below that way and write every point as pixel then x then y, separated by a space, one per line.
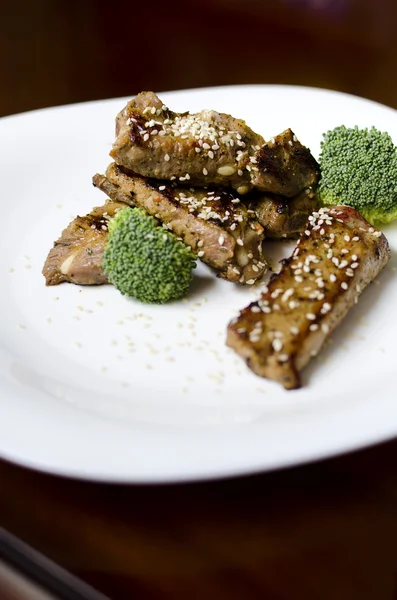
pixel 323 531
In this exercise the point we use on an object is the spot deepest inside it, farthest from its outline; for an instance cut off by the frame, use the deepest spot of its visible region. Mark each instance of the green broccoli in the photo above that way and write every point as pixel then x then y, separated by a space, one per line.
pixel 359 168
pixel 144 260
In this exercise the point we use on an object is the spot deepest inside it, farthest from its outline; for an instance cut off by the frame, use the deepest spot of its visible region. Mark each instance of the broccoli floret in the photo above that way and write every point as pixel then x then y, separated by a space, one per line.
pixel 359 168
pixel 144 260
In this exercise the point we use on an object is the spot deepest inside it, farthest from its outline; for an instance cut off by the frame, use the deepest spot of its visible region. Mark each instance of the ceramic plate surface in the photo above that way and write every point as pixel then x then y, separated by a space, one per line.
pixel 97 386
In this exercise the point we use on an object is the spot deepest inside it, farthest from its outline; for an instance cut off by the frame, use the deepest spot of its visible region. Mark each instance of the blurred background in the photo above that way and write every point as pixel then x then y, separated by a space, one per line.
pixel 56 52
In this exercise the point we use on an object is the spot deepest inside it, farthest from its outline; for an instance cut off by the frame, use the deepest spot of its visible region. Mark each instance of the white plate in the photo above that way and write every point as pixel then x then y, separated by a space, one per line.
pixel 97 386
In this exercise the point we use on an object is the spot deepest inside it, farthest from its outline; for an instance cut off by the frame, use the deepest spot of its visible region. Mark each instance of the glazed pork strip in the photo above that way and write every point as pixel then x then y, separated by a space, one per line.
pixel 338 255
pixel 217 225
pixel 77 255
pixel 208 148
pixel 284 217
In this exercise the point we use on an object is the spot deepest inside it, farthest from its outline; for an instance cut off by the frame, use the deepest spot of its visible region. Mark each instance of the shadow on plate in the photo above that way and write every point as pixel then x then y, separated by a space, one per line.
pixel 200 285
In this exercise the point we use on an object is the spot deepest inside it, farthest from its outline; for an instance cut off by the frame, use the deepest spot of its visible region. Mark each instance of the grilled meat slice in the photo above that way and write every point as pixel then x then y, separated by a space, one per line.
pixel 283 166
pixel 284 218
pixel 338 255
pixel 77 255
pixel 218 226
pixel 208 148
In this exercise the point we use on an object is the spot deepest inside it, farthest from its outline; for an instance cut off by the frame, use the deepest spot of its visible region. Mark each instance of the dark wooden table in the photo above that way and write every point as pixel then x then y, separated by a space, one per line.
pixel 324 531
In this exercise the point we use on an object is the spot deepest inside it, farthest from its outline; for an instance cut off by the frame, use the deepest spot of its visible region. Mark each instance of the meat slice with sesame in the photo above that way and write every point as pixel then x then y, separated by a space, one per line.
pixel 77 255
pixel 220 228
pixel 338 255
pixel 208 148
pixel 284 217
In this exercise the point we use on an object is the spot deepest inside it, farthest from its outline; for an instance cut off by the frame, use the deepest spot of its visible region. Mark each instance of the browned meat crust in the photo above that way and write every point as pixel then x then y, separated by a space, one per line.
pixel 217 225
pixel 77 255
pixel 208 148
pixel 283 166
pixel 284 218
pixel 338 255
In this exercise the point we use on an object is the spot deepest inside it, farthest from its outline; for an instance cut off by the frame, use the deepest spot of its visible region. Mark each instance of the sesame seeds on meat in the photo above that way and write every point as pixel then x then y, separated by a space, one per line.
pixel 310 295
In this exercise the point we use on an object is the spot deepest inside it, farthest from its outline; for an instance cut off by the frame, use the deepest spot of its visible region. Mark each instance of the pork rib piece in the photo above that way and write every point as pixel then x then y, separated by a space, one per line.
pixel 217 225
pixel 208 148
pixel 77 255
pixel 338 255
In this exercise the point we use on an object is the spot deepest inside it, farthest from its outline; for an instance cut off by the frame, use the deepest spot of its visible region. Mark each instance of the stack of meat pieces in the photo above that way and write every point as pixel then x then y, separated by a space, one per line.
pixel 207 177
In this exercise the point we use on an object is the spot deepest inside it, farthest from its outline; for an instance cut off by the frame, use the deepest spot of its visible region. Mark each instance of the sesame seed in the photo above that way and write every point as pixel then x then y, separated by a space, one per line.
pixel 310 316
pixel 200 254
pixel 146 137
pixel 344 285
pixel 255 309
pixel 332 277
pixel 313 327
pixel 277 345
pixel 161 188
pixel 326 308
pixel 354 265
pixel 294 330
pixel 343 264
pixel 347 238
pixel 205 172
pixel 354 257
pixel 322 231
pixel 298 279
pixel 250 281
pixel 287 294
pixel 307 232
pixel 221 239
pixel 240 242
pixel 283 358
pixel 325 327
pixel 355 239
